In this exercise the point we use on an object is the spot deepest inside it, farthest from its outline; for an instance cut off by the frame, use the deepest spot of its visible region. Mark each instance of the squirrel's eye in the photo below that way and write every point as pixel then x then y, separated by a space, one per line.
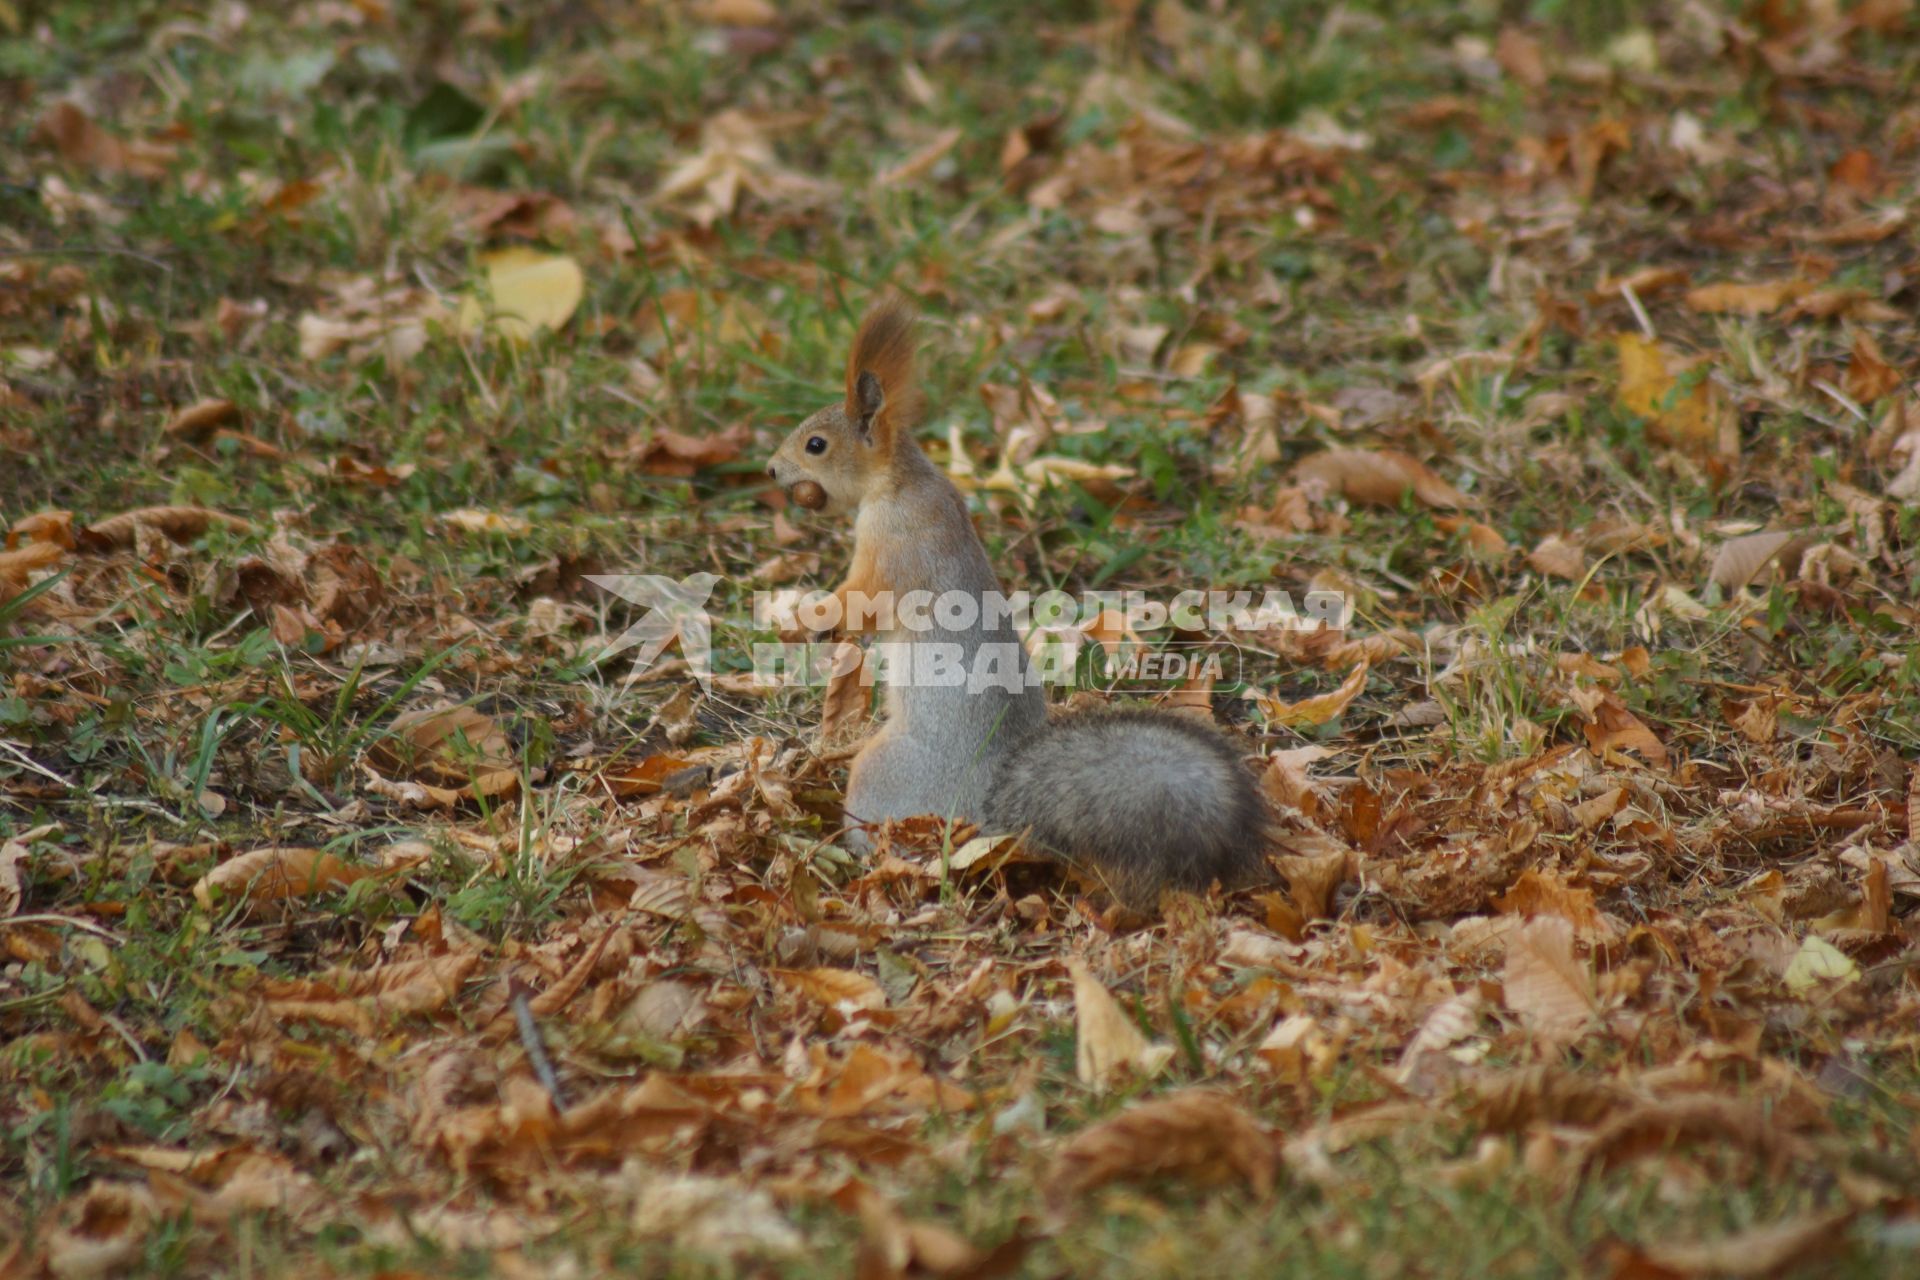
pixel 816 444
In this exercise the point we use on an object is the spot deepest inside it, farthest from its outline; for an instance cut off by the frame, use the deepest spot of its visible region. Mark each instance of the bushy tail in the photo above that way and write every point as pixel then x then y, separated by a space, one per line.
pixel 1145 800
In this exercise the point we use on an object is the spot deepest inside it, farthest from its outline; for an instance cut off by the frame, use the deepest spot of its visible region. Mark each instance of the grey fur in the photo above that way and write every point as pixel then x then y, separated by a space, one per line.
pixel 1146 800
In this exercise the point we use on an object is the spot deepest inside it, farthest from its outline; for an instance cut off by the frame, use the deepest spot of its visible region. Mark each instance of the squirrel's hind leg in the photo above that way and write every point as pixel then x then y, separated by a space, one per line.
pixel 895 776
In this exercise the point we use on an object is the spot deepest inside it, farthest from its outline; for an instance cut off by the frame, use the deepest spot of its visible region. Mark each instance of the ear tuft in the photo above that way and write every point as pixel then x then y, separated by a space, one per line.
pixel 882 396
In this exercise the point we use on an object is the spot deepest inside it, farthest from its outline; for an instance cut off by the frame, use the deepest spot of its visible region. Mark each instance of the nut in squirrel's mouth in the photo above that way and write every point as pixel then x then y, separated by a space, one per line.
pixel 807 494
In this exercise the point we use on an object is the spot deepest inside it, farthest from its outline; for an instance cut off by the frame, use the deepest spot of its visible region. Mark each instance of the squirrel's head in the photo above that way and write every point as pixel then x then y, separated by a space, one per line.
pixel 842 454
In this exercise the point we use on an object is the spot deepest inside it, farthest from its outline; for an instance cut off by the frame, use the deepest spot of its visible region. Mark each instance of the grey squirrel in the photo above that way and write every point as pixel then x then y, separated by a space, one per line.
pixel 1143 800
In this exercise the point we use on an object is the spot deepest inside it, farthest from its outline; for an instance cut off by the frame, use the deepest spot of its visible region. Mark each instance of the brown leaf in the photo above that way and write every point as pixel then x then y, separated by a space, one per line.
pixel 1316 868
pixel 1519 56
pixel 1612 727
pixel 55 527
pixel 1378 477
pixel 1869 376
pixel 835 988
pixel 1482 539
pixel 1856 171
pixel 1539 892
pixel 1746 299
pixel 1545 983
pixel 1106 1041
pixel 1740 559
pixel 670 453
pixel 181 524
pixel 16 565
pixel 1556 557
pixel 454 748
pixel 1657 1128
pixel 80 141
pixel 1763 1250
pixel 275 874
pixel 201 419
pixel 1198 1135
pixel 917 164
pixel 12 855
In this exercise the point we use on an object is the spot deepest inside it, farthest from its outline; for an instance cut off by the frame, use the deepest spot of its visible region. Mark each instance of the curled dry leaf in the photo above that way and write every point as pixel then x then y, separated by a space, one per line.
pixel 80 141
pixel 276 874
pixel 1869 376
pixel 55 527
pixel 846 989
pixel 1538 893
pixel 1379 477
pixel 1317 710
pixel 15 565
pixel 920 162
pixel 476 520
pixel 13 855
pixel 454 752
pixel 1764 1250
pixel 1545 983
pixel 1658 1128
pixel 1739 560
pixel 1746 299
pixel 1198 1135
pixel 1556 557
pixel 180 524
pixel 201 419
pixel 1106 1041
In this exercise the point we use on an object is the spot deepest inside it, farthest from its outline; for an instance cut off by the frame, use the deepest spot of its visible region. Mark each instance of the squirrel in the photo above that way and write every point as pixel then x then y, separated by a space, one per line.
pixel 1142 800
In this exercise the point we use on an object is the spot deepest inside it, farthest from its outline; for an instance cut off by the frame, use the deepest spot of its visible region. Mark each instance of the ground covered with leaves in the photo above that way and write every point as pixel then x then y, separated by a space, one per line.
pixel 359 913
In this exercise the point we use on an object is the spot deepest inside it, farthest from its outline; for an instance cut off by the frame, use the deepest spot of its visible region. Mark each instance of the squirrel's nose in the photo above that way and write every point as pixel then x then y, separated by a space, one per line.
pixel 770 472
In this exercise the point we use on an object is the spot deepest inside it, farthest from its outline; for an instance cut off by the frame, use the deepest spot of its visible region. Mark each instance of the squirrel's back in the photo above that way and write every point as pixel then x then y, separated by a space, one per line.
pixel 1144 799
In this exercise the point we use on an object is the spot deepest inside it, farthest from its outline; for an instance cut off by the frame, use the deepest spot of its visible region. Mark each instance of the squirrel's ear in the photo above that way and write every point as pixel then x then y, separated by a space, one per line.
pixel 869 399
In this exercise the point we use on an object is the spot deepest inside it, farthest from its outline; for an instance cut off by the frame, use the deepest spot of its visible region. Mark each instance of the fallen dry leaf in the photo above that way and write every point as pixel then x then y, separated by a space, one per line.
pixel 1106 1043
pixel 525 291
pixel 276 874
pixel 1379 477
pixel 1740 560
pixel 180 524
pixel 1544 982
pixel 1680 403
pixel 1746 299
pixel 1317 710
pixel 454 751
pixel 82 142
pixel 1764 1250
pixel 1197 1135
pixel 201 419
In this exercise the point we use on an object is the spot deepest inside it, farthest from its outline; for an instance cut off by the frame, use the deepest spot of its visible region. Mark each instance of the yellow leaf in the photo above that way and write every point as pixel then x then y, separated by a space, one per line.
pixel 526 290
pixel 1817 962
pixel 1694 417
pixel 1318 709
